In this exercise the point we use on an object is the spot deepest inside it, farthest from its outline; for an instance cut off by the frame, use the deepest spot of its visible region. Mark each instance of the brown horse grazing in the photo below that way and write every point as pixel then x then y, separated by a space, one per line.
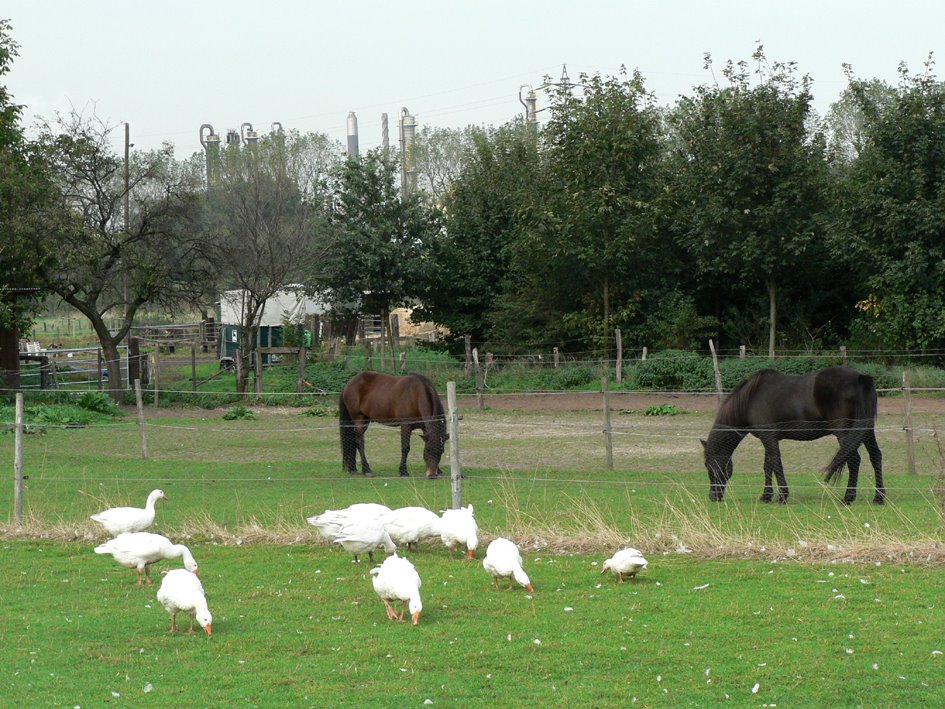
pixel 836 401
pixel 410 402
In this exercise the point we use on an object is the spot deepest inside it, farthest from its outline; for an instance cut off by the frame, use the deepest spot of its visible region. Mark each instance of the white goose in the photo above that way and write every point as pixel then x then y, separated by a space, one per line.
pixel 504 561
pixel 182 592
pixel 118 520
pixel 459 528
pixel 330 522
pixel 411 525
pixel 138 550
pixel 626 562
pixel 360 536
pixel 396 580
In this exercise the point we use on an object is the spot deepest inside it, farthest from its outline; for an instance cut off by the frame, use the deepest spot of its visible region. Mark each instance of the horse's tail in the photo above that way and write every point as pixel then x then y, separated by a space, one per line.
pixel 864 415
pixel 349 443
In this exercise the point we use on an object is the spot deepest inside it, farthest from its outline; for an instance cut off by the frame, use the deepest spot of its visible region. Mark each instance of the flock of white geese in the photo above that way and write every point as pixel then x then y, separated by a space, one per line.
pixel 360 529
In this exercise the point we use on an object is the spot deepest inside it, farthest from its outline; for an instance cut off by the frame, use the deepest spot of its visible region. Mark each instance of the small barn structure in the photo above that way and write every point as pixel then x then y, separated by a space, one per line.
pixel 289 305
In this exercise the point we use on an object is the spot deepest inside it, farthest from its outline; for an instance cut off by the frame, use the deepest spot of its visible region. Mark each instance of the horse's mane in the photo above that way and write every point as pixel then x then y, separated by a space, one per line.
pixel 733 410
pixel 435 402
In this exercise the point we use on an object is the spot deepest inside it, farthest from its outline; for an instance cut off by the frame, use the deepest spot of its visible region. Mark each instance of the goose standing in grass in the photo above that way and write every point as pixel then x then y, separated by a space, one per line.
pixel 411 525
pixel 118 520
pixel 396 580
pixel 504 561
pixel 626 562
pixel 330 522
pixel 459 528
pixel 365 535
pixel 182 592
pixel 138 550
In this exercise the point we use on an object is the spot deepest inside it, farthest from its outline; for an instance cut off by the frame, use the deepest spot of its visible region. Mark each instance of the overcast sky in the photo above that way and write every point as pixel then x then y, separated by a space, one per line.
pixel 168 66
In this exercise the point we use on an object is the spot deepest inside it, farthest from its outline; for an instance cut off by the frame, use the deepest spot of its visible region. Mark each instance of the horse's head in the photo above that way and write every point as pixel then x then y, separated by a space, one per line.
pixel 719 466
pixel 434 438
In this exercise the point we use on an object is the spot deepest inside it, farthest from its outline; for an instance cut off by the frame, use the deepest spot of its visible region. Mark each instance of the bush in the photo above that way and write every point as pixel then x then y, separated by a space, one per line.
pixel 99 402
pixel 239 413
pixel 674 370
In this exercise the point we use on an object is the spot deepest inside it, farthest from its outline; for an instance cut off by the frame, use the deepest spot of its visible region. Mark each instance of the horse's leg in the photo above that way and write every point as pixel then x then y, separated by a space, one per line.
pixel 853 465
pixel 405 431
pixel 876 460
pixel 768 491
pixel 774 466
pixel 359 431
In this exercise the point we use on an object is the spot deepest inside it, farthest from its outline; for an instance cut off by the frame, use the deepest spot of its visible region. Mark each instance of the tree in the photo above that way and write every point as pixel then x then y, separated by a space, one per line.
pixel 749 179
pixel 439 156
pixel 23 189
pixel 88 255
pixel 891 215
pixel 262 223
pixel 481 213
pixel 379 239
pixel 596 214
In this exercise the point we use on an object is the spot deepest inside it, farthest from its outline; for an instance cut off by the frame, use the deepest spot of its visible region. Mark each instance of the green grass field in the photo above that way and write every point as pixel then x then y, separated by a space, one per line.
pixel 816 603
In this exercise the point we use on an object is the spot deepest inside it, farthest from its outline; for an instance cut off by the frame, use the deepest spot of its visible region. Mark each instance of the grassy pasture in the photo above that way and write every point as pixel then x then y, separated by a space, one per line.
pixel 817 603
pixel 301 626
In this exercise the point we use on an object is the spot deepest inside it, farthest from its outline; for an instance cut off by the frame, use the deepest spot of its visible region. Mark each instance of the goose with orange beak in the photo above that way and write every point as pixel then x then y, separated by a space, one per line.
pixel 459 528
pixel 118 520
pixel 397 581
pixel 504 561
pixel 626 562
pixel 182 592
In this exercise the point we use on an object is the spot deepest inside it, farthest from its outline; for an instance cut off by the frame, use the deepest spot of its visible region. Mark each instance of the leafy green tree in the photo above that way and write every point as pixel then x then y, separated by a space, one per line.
pixel 891 213
pixel 23 189
pixel 378 239
pixel 263 222
pixel 749 180
pixel 87 255
pixel 439 156
pixel 469 259
pixel 583 259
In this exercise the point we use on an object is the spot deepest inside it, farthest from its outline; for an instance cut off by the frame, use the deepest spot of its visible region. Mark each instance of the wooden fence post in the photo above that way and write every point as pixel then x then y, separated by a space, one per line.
pixel 643 356
pixel 456 471
pixel 608 440
pixel 98 371
pixel 843 354
pixel 715 368
pixel 741 351
pixel 257 372
pixel 140 404
pixel 619 366
pixel 403 362
pixel 155 362
pixel 193 367
pixel 303 358
pixel 555 355
pixel 18 459
pixel 479 399
pixel 467 339
pixel 907 427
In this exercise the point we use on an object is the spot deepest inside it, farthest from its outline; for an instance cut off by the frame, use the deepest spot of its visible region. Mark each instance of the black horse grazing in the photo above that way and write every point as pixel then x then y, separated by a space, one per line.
pixel 410 402
pixel 837 401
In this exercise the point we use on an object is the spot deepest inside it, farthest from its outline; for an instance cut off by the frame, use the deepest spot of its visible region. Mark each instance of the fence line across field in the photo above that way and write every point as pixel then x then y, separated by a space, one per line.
pixel 472 428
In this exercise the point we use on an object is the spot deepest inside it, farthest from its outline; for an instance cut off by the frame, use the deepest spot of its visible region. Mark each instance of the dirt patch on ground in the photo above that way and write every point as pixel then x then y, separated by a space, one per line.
pixel 563 401
pixel 584 401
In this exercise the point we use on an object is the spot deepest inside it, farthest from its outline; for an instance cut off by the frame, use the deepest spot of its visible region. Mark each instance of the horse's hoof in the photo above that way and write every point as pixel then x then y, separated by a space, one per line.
pixel 405 475
pixel 369 474
pixel 782 500
pixel 765 498
pixel 879 500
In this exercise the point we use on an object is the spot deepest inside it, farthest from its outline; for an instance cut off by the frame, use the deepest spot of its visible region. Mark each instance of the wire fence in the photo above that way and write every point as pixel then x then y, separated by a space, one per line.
pixel 518 445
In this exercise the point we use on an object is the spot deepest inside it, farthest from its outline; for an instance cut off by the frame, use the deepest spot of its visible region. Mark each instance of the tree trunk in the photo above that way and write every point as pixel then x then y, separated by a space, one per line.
pixel 606 297
pixel 772 316
pixel 109 346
